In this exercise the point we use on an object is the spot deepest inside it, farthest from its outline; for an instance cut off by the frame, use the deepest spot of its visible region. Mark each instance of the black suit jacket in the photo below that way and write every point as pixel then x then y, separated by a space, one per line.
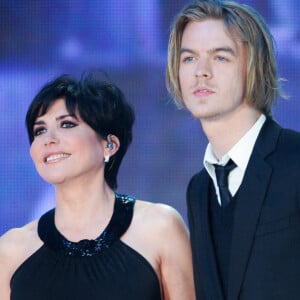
pixel 265 250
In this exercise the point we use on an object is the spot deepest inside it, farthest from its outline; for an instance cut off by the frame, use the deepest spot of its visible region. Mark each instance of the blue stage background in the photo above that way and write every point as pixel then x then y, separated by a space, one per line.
pixel 127 39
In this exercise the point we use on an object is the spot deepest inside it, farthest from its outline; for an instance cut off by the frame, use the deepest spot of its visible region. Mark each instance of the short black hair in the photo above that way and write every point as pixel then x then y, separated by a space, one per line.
pixel 100 104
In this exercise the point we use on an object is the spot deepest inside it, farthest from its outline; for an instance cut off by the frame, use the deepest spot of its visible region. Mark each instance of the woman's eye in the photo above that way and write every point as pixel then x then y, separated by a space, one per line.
pixel 68 124
pixel 39 131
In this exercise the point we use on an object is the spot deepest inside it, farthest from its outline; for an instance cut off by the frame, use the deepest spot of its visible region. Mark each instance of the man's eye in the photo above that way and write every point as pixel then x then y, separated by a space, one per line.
pixel 221 58
pixel 188 59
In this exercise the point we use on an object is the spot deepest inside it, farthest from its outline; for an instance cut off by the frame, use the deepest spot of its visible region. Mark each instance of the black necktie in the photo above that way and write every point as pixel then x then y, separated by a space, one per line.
pixel 222 173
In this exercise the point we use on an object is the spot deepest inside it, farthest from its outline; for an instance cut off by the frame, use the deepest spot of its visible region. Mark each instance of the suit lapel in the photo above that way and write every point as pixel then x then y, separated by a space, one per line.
pixel 206 273
pixel 248 207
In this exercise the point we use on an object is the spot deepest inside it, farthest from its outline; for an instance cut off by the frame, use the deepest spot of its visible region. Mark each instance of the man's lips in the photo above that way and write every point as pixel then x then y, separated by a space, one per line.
pixel 55 157
pixel 202 92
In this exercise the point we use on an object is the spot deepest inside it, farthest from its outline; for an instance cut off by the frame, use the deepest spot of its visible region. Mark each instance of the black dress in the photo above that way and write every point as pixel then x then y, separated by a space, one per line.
pixel 105 268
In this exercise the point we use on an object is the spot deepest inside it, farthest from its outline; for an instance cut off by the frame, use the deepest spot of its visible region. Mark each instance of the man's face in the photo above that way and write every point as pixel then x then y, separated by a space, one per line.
pixel 212 71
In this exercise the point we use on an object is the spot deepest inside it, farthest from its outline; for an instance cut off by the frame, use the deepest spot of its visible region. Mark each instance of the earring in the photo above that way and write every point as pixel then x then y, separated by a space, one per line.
pixel 106 158
pixel 110 144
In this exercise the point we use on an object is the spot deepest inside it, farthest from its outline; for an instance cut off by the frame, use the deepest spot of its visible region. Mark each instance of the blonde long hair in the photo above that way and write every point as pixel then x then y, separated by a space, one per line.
pixel 262 83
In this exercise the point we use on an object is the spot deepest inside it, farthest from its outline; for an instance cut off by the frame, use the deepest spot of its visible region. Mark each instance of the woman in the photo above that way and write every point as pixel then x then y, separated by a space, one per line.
pixel 96 243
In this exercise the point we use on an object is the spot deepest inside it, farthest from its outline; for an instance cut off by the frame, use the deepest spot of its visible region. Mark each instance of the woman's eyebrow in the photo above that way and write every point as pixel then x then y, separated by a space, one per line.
pixel 42 122
pixel 65 116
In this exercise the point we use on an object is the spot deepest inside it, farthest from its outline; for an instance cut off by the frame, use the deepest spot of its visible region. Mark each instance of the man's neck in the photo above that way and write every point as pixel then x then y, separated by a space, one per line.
pixel 224 133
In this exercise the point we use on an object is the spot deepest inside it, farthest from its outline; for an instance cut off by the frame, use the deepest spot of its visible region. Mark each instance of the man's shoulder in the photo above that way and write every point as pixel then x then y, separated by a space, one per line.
pixel 275 137
pixel 272 125
pixel 289 139
pixel 198 179
pixel 199 175
pixel 291 134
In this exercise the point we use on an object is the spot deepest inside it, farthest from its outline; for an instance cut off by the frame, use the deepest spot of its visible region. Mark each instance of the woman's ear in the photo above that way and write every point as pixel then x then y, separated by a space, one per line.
pixel 113 145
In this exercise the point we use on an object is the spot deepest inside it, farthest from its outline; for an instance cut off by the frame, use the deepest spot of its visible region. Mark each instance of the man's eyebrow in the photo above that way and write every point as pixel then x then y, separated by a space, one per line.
pixel 183 50
pixel 222 49
pixel 210 51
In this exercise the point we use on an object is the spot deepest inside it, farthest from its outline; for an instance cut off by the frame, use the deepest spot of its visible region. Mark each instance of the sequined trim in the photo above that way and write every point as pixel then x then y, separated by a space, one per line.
pixel 117 226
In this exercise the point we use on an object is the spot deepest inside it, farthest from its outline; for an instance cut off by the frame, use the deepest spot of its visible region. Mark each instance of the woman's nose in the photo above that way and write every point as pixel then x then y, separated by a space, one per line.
pixel 50 138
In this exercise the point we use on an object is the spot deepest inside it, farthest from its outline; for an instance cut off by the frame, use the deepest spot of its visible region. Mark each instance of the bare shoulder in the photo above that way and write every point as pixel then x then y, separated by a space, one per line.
pixel 160 222
pixel 161 230
pixel 17 236
pixel 16 245
pixel 159 216
pixel 155 228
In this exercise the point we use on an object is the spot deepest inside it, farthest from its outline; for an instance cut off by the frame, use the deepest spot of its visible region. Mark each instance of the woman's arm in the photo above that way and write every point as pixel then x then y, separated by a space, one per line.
pixel 159 234
pixel 176 258
pixel 7 258
pixel 15 247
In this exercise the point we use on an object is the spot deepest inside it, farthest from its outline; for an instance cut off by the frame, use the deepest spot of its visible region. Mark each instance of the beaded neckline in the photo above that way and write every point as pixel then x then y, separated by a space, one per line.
pixel 117 226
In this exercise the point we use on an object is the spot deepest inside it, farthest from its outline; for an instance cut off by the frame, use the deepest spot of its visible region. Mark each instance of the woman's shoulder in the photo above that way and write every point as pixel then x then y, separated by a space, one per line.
pixel 159 217
pixel 17 244
pixel 157 230
pixel 19 235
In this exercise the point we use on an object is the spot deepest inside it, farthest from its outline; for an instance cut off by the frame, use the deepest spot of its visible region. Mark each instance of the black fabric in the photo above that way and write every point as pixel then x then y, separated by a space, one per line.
pixel 222 173
pixel 113 272
pixel 221 226
pixel 265 247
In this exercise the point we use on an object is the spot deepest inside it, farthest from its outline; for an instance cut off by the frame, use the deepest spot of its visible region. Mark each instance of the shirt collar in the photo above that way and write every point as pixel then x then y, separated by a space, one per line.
pixel 239 153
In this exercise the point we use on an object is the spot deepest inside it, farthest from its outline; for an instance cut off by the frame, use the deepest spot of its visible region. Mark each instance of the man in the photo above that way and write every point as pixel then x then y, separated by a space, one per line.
pixel 246 243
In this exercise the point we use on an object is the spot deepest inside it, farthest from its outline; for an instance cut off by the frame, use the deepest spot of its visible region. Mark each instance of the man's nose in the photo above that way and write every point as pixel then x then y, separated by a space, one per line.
pixel 203 69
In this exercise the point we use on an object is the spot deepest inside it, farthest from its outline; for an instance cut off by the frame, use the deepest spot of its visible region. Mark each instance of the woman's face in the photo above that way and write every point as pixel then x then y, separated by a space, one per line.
pixel 65 148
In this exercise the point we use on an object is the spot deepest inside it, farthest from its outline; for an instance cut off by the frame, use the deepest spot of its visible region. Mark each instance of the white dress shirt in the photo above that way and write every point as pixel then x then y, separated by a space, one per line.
pixel 240 153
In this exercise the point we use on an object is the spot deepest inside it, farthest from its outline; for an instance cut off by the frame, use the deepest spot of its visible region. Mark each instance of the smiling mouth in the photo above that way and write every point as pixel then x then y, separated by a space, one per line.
pixel 56 157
